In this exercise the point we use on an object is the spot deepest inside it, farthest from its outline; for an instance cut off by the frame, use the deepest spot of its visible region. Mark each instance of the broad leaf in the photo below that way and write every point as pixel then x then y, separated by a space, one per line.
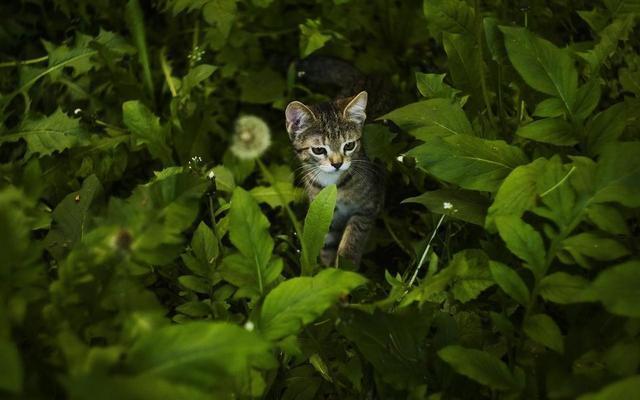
pixel 392 343
pixel 510 282
pixel 517 193
pixel 249 233
pixel 618 288
pixel 299 301
pixel 480 366
pixel 468 161
pixel 562 288
pixel 11 370
pixel 550 130
pixel 459 204
pixel 627 388
pixel 428 118
pixel 316 226
pixel 618 174
pixel 544 330
pixel 465 65
pixel 542 65
pixel 453 16
pixel 617 31
pixel 472 274
pixel 523 241
pixel 146 129
pixel 44 136
pixel 202 355
pixel 432 86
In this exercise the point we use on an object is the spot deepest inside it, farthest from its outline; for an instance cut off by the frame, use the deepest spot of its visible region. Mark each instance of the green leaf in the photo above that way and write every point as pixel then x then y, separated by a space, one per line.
pixel 542 65
pixel 543 329
pixel 242 272
pixel 316 226
pixel 468 161
pixel 157 212
pixel 630 80
pixel 594 245
pixel 392 342
pixel 220 14
pixel 434 117
pixel 551 107
pixel 11 371
pixel 607 218
pixel 311 37
pixel 618 30
pixel 510 282
pixel 262 86
pixel 480 366
pixel 523 241
pixel 517 193
pixel 433 86
pixel 46 135
pixel 618 174
pixel 195 76
pixel 271 194
pixel 627 388
pixel 472 274
pixel 606 127
pixel 618 288
pixel 587 98
pixel 202 355
pixel 465 65
pixel 135 22
pixel 299 301
pixel 146 129
pixel 550 130
pixel 562 288
pixel 460 204
pixel 453 16
pixel 205 245
pixel 195 283
pixel 249 233
pixel 71 217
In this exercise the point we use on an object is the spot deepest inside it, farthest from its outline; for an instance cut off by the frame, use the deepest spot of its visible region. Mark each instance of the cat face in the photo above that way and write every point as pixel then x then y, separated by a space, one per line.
pixel 327 137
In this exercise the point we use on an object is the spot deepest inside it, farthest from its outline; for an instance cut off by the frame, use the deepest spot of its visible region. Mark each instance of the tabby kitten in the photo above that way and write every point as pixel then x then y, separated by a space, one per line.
pixel 327 139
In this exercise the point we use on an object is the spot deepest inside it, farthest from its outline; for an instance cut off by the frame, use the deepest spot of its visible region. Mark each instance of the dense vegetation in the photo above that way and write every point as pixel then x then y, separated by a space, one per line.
pixel 143 257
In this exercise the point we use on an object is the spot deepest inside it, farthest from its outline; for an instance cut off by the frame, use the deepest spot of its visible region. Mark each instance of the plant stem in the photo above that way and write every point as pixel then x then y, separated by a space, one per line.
pixel 483 83
pixel 17 63
pixel 424 253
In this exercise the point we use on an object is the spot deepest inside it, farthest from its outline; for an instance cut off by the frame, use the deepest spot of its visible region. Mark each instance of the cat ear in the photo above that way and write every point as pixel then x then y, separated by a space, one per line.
pixel 299 117
pixel 354 111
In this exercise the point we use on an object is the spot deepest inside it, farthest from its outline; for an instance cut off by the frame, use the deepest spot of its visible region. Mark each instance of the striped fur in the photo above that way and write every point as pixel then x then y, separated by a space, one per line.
pixel 360 182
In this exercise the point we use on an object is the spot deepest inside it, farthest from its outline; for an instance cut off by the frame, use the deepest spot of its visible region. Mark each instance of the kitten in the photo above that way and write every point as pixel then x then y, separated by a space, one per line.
pixel 327 140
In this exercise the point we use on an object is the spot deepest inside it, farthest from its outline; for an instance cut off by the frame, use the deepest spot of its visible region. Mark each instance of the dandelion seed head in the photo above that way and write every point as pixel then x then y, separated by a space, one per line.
pixel 251 137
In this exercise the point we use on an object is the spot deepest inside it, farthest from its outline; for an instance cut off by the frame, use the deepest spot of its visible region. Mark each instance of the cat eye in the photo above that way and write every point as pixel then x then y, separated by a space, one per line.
pixel 349 146
pixel 319 151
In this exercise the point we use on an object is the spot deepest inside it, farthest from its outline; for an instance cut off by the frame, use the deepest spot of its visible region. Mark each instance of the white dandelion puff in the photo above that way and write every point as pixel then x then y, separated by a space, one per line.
pixel 251 138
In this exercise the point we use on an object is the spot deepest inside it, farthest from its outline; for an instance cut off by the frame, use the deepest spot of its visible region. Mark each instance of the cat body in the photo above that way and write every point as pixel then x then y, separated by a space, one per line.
pixel 327 139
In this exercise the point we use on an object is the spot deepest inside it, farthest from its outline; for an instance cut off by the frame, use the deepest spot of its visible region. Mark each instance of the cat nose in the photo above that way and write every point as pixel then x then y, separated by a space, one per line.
pixel 336 165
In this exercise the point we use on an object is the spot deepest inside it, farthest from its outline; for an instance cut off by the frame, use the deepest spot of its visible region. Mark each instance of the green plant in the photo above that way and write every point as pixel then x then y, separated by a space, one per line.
pixel 142 259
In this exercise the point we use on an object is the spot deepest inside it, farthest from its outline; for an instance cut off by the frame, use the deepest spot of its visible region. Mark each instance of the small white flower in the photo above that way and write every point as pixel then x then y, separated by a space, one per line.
pixel 251 138
pixel 77 111
pixel 400 158
pixel 211 174
pixel 447 206
pixel 249 326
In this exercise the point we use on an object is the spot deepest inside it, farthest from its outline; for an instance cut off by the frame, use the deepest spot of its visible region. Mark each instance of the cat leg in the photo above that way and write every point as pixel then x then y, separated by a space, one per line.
pixel 355 237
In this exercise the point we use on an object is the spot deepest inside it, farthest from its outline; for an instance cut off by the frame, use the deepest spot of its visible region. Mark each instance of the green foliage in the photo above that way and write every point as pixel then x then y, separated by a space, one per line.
pixel 316 226
pixel 142 259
